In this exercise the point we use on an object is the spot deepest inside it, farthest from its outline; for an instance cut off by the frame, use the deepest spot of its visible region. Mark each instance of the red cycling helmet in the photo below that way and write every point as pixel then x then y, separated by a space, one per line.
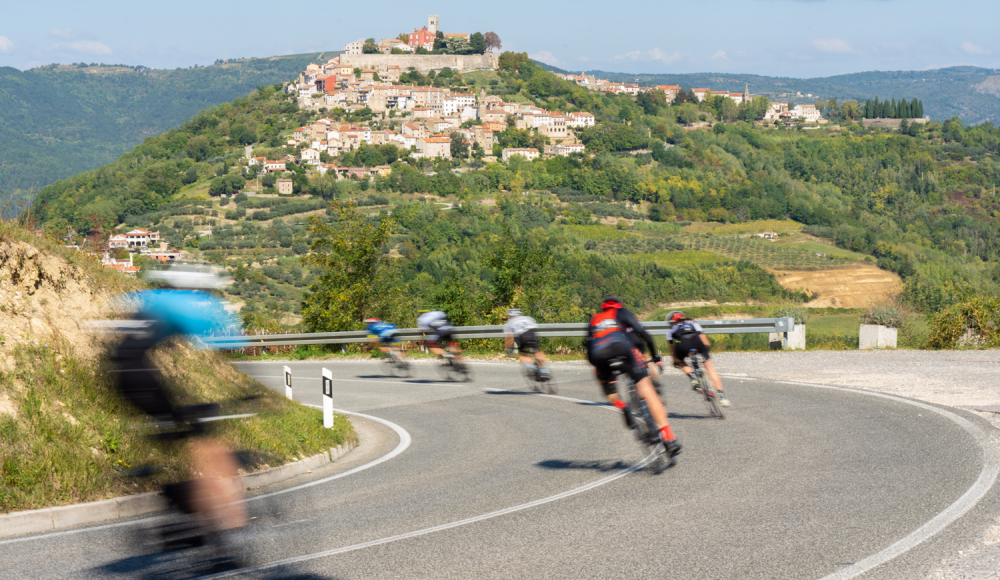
pixel 611 303
pixel 372 320
pixel 675 316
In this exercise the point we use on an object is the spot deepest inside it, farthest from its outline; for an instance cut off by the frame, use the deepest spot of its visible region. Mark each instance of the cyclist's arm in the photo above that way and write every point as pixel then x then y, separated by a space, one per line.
pixel 704 339
pixel 628 319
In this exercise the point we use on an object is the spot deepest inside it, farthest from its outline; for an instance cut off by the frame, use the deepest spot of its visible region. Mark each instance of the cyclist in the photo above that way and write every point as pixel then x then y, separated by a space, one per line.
pixel 435 323
pixel 607 340
pixel 686 335
pixel 383 334
pixel 520 330
pixel 214 497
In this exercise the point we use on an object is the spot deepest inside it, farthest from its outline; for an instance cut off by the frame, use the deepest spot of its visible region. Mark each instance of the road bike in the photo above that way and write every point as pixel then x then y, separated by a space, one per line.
pixel 646 430
pixel 536 380
pixel 454 370
pixel 394 364
pixel 697 362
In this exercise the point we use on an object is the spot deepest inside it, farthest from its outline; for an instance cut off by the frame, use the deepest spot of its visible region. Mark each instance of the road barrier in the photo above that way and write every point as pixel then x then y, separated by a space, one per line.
pixel 780 326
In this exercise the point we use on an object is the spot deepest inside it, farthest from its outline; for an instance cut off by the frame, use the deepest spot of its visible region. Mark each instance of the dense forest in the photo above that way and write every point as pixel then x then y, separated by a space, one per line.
pixel 60 120
pixel 920 202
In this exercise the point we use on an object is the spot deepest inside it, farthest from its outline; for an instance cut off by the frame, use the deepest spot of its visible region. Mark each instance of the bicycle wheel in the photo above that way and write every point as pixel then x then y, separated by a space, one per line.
pixel 549 383
pixel 531 379
pixel 464 372
pixel 404 368
pixel 447 371
pixel 389 366
pixel 646 431
pixel 711 398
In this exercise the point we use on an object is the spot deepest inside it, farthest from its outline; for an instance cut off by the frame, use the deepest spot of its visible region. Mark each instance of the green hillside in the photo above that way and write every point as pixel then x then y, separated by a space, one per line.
pixel 654 212
pixel 59 120
pixel 971 93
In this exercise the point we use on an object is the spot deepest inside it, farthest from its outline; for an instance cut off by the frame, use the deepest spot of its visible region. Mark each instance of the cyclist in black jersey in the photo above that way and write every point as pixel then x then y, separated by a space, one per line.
pixel 608 340
pixel 686 335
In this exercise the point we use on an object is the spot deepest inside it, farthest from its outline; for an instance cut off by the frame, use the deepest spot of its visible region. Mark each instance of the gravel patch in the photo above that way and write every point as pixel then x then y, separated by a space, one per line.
pixel 964 379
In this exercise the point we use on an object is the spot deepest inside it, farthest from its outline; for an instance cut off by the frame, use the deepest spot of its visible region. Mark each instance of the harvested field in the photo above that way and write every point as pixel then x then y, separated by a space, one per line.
pixel 855 287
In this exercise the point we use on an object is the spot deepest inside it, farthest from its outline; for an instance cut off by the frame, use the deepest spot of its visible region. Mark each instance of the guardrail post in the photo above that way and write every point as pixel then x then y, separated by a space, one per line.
pixel 288 382
pixel 327 399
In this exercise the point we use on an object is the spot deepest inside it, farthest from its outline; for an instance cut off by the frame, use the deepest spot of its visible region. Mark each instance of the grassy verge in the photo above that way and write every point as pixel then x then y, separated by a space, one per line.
pixel 66 437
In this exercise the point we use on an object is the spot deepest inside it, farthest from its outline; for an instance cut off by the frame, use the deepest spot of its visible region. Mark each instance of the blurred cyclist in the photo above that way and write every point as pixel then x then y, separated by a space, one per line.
pixel 686 335
pixel 520 330
pixel 383 334
pixel 437 330
pixel 214 497
pixel 607 341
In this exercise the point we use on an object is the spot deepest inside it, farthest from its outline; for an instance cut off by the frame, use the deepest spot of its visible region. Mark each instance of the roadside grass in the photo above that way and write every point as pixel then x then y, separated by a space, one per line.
pixel 69 438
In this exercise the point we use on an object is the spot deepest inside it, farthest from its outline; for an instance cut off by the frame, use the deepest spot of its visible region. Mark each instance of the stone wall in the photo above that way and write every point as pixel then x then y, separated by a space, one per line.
pixel 421 62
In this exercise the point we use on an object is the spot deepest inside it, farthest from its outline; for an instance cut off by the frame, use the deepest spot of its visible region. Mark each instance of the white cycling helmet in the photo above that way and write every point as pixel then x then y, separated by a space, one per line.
pixel 512 312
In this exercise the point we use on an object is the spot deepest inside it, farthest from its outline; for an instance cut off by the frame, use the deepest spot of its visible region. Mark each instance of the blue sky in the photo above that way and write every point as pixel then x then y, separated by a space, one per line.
pixel 798 38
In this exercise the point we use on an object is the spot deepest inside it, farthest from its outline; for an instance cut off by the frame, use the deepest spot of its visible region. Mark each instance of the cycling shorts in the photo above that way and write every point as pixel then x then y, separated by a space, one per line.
pixel 441 337
pixel 683 346
pixel 637 342
pixel 527 342
pixel 603 351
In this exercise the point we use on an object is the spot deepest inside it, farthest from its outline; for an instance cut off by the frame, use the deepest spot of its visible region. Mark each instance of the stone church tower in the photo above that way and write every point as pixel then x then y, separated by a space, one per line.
pixel 433 22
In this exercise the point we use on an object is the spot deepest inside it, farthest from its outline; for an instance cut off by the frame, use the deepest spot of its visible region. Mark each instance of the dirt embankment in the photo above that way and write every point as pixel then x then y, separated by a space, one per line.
pixel 856 287
pixel 43 298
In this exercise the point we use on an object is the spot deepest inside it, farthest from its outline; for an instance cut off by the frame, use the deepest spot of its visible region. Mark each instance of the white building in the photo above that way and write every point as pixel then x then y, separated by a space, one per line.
pixel 809 113
pixel 528 153
pixel 580 119
pixel 356 47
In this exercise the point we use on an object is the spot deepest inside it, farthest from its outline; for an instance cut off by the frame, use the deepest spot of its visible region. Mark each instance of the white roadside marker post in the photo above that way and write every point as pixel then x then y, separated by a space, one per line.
pixel 327 399
pixel 288 382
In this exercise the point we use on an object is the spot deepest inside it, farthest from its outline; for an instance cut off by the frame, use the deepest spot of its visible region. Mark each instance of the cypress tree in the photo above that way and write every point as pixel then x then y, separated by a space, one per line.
pixel 868 109
pixel 886 110
pixel 893 109
pixel 919 105
pixel 876 109
pixel 904 109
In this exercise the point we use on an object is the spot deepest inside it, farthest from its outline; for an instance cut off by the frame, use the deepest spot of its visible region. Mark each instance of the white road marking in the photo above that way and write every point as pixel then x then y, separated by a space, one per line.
pixel 408 383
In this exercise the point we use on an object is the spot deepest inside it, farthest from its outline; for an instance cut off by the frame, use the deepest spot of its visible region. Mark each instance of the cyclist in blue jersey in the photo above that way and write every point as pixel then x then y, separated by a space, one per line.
pixel 214 497
pixel 383 334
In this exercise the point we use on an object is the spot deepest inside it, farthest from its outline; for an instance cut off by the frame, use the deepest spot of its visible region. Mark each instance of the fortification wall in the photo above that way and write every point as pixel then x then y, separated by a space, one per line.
pixel 421 62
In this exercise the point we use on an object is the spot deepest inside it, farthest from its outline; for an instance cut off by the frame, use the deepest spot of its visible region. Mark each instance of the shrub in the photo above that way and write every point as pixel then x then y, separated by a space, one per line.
pixel 890 313
pixel 800 314
pixel 975 321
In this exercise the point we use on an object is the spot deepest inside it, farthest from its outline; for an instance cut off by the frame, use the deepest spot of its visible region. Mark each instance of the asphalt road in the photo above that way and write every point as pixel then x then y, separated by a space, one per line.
pixel 798 482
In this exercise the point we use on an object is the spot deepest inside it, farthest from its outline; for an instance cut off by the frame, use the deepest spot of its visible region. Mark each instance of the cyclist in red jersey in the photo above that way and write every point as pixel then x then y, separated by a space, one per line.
pixel 607 340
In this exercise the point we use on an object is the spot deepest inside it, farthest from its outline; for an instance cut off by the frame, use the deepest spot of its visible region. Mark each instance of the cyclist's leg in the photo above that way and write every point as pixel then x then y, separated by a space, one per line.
pixel 217 491
pixel 713 374
pixel 644 387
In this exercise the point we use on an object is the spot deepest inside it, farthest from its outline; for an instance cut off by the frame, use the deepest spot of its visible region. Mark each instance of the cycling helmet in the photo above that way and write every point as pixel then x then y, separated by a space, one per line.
pixel 675 316
pixel 611 303
pixel 372 320
pixel 512 312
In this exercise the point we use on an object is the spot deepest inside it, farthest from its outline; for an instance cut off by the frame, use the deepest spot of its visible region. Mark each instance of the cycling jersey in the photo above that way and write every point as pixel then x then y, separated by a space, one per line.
pixel 609 337
pixel 687 327
pixel 431 321
pixel 620 320
pixel 383 330
pixel 518 325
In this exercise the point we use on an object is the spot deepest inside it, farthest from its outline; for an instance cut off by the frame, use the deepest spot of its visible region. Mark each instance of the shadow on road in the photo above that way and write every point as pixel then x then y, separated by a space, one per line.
pixel 588 465
pixel 175 565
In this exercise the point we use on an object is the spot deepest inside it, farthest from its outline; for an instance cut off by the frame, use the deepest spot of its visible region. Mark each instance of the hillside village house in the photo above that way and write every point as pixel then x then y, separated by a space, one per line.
pixel 809 113
pixel 273 166
pixel 580 119
pixel 565 150
pixel 528 153
pixel 284 186
pixel 356 47
pixel 434 147
pixel 140 238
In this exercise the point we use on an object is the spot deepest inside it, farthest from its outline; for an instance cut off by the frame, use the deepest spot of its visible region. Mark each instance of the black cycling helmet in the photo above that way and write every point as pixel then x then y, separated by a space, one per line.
pixel 611 303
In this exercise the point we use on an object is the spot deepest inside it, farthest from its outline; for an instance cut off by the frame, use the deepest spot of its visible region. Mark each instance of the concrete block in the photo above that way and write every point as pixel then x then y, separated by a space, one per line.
pixel 17 523
pixel 84 513
pixel 796 339
pixel 875 336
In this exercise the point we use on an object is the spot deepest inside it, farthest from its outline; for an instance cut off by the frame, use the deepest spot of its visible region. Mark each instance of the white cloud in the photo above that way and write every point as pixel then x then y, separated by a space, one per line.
pixel 6 46
pixel 973 49
pixel 721 54
pixel 650 55
pixel 833 46
pixel 546 57
pixel 66 33
pixel 84 46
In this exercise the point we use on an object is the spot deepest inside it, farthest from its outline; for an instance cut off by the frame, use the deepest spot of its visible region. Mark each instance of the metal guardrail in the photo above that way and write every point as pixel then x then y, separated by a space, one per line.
pixel 571 329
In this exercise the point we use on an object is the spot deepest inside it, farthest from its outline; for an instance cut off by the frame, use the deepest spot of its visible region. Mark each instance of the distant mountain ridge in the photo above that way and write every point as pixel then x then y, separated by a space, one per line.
pixel 970 93
pixel 60 120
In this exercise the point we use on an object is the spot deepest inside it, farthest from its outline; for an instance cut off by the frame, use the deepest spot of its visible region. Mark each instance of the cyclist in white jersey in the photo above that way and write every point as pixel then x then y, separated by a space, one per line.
pixel 520 330
pixel 435 324
pixel 685 335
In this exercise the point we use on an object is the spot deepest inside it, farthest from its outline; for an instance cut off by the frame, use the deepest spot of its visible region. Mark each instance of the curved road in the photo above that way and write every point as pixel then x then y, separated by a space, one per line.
pixel 799 482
